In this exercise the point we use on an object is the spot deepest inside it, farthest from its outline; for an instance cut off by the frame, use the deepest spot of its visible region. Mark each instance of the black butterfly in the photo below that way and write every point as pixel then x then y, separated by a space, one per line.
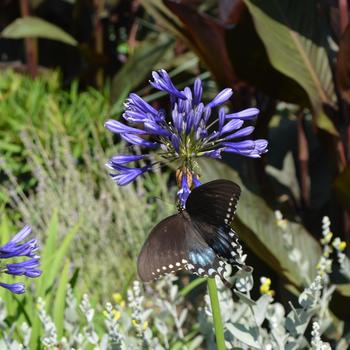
pixel 198 238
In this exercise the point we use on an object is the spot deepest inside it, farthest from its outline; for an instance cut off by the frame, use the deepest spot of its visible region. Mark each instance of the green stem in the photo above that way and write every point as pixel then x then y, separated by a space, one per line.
pixel 215 308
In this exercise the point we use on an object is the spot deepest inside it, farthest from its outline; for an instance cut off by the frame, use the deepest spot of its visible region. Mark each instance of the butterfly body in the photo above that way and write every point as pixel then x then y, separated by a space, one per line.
pixel 198 238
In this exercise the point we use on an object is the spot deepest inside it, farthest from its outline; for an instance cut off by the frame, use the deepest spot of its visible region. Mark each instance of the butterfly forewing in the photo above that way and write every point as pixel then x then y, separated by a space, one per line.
pixel 214 202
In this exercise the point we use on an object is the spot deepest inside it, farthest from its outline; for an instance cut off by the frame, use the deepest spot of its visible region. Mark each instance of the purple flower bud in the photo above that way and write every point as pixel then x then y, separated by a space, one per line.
pixel 201 133
pixel 155 129
pixel 189 122
pixel 198 115
pixel 27 268
pixel 240 133
pixel 247 148
pixel 163 82
pixel 221 119
pixel 246 114
pixel 231 126
pixel 19 237
pixel 16 288
pixel 187 106
pixel 120 128
pixel 15 248
pixel 220 98
pixel 188 93
pixel 197 91
pixel 127 175
pixel 134 116
pixel 216 153
pixel 177 119
pixel 196 181
pixel 176 142
pixel 135 102
pixel 184 191
pixel 261 145
pixel 135 140
pixel 207 113
pixel 123 159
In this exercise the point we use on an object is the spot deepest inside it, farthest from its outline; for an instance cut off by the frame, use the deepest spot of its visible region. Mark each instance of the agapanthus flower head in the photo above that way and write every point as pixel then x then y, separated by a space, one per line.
pixel 19 247
pixel 187 132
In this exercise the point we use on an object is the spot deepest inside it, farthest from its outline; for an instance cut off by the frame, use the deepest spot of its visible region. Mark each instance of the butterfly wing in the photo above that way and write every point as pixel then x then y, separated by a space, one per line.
pixel 175 244
pixel 214 202
pixel 211 208
pixel 164 249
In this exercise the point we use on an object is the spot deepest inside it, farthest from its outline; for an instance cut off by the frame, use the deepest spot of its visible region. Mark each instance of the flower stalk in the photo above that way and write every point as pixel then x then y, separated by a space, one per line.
pixel 215 309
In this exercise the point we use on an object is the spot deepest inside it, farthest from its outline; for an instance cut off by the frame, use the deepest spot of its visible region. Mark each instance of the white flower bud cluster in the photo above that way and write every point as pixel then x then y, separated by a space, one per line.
pixel 316 342
pixel 49 338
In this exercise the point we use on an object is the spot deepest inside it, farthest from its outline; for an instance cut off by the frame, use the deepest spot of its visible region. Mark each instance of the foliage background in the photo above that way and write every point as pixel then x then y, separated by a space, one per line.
pixel 78 60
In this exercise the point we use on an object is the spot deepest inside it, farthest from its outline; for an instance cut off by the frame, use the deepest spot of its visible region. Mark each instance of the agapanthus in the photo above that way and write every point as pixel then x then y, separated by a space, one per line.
pixel 187 132
pixel 18 247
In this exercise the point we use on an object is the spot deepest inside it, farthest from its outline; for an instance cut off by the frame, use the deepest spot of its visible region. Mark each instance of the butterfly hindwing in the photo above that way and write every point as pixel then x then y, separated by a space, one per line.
pixel 222 239
pixel 176 244
pixel 164 250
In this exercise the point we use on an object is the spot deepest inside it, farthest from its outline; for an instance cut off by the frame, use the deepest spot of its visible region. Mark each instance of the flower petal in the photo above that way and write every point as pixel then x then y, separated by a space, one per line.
pixel 135 102
pixel 136 140
pixel 127 175
pixel 163 82
pixel 220 98
pixel 155 129
pixel 240 133
pixel 16 288
pixel 123 159
pixel 232 125
pixel 216 153
pixel 184 191
pixel 120 128
pixel 197 91
pixel 246 114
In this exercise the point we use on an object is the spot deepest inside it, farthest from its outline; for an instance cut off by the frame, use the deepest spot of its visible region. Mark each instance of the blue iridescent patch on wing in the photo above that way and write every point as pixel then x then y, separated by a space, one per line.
pixel 202 257
pixel 221 242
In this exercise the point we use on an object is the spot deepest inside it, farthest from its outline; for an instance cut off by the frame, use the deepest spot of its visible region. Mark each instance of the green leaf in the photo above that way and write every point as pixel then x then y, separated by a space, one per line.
pixel 295 37
pixel 29 27
pixel 59 303
pixel 54 264
pixel 138 67
pixel 50 246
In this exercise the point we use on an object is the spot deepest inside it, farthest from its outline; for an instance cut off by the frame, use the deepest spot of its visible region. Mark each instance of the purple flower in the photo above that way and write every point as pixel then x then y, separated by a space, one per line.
pixel 247 148
pixel 124 174
pixel 120 128
pixel 18 247
pixel 123 159
pixel 15 248
pixel 16 288
pixel 27 268
pixel 163 82
pixel 246 114
pixel 221 98
pixel 184 191
pixel 189 130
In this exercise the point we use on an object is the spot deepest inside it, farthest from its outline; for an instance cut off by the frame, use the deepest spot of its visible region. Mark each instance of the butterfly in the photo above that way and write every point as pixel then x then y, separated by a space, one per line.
pixel 198 239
